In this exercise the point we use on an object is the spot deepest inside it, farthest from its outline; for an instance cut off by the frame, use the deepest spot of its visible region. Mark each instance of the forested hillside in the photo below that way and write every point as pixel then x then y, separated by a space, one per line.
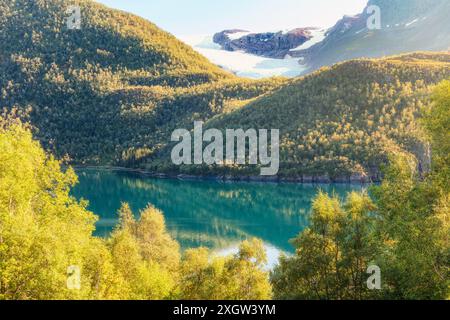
pixel 113 92
pixel 344 121
pixel 110 92
pixel 402 230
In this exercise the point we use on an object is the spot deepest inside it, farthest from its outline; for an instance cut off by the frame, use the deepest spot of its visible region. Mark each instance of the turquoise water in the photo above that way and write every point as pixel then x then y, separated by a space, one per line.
pixel 217 215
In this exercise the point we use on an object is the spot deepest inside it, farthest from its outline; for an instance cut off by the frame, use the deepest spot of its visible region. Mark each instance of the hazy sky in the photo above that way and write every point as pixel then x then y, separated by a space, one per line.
pixel 193 17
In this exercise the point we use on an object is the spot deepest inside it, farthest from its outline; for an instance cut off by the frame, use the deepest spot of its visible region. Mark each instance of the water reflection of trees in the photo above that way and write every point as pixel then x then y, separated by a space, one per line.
pixel 205 213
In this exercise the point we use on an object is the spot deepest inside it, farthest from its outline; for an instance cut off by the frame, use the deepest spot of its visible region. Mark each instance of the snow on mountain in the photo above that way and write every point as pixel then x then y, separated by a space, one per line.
pixel 244 64
pixel 238 35
pixel 406 26
pixel 411 23
pixel 317 36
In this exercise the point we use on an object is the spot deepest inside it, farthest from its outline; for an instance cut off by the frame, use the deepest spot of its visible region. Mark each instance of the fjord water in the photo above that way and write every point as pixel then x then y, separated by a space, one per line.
pixel 214 214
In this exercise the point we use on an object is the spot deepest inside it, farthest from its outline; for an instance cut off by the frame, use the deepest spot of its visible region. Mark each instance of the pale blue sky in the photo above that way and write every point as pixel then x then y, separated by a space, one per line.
pixel 194 17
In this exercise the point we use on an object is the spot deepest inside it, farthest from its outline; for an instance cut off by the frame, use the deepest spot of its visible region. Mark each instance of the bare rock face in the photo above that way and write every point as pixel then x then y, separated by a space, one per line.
pixel 222 38
pixel 269 44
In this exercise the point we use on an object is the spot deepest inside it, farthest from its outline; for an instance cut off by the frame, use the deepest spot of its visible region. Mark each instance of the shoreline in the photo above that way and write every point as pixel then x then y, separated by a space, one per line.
pixel 306 180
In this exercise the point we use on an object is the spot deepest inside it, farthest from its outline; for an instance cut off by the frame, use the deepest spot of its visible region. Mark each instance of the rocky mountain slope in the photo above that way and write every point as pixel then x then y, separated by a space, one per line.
pixel 406 26
pixel 245 64
pixel 269 44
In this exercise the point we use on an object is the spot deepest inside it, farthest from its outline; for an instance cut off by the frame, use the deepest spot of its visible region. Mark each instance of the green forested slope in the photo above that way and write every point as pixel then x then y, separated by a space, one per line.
pixel 401 229
pixel 113 92
pixel 344 120
pixel 110 92
pixel 128 44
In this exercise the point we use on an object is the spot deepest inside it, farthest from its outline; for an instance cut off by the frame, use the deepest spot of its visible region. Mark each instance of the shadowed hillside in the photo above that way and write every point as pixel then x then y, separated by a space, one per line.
pixel 343 121
pixel 110 92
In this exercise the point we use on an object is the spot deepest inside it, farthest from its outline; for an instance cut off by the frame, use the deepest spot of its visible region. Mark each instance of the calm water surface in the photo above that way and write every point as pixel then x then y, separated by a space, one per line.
pixel 217 215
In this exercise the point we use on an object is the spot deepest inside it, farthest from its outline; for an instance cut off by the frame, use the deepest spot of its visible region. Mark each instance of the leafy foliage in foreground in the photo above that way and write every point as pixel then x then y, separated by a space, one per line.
pixel 405 231
pixel 43 231
pixel 332 255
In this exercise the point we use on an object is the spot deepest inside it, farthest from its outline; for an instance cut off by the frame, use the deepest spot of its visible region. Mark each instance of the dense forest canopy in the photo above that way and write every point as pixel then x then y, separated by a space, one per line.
pixel 403 229
pixel 343 120
pixel 112 92
pixel 44 231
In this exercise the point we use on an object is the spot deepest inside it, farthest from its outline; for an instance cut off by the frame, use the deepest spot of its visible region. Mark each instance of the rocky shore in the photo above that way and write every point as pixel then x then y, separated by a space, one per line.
pixel 305 179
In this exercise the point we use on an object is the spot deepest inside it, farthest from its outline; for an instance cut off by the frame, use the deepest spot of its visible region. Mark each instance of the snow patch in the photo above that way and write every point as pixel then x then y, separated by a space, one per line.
pixel 318 35
pixel 199 41
pixel 244 64
pixel 411 23
pixel 237 35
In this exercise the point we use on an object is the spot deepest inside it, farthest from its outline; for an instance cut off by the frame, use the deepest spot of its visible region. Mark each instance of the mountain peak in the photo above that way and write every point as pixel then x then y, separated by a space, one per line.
pixel 267 44
pixel 406 26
